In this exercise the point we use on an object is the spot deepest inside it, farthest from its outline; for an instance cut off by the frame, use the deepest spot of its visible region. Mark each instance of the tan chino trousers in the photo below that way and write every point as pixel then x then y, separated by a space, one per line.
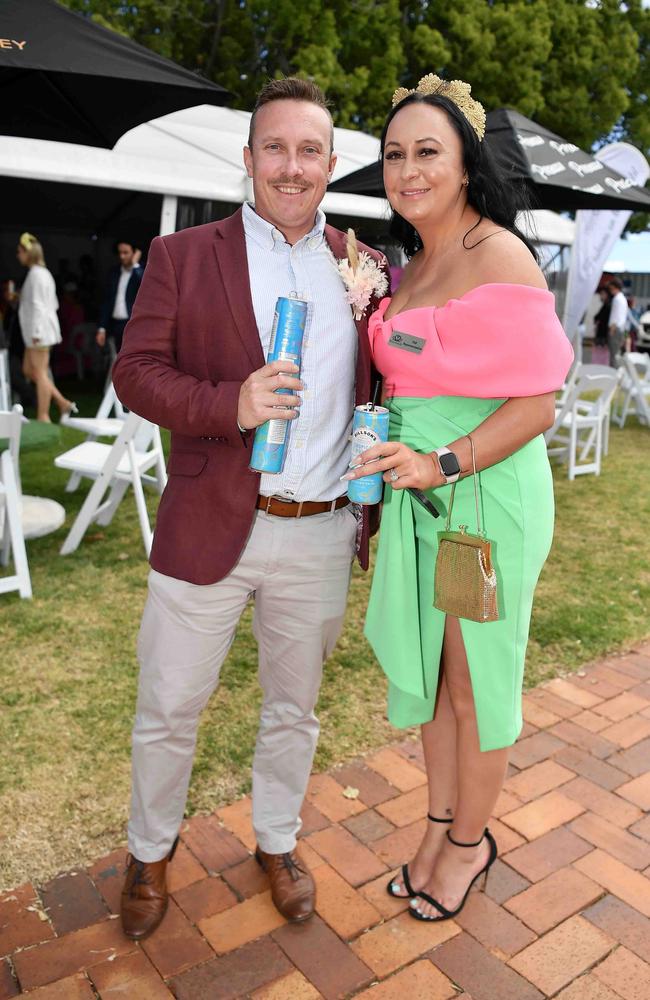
pixel 299 571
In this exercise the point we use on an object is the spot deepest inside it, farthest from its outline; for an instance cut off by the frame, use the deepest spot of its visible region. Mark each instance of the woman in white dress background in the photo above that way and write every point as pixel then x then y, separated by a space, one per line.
pixel 39 324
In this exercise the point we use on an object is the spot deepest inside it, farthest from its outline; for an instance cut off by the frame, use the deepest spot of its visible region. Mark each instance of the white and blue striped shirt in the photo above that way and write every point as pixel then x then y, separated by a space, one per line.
pixel 319 447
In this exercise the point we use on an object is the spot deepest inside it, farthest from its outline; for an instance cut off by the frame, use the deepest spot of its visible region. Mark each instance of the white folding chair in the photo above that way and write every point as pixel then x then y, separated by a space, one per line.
pixel 580 425
pixel 571 379
pixel 585 406
pixel 99 426
pixel 11 526
pixel 635 389
pixel 127 462
pixel 5 382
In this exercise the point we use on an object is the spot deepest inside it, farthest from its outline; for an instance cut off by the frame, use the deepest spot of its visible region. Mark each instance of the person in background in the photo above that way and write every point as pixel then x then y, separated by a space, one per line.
pixel 64 275
pixel 633 322
pixel 7 309
pixel 71 312
pixel 39 324
pixel 22 391
pixel 617 321
pixel 601 319
pixel 123 284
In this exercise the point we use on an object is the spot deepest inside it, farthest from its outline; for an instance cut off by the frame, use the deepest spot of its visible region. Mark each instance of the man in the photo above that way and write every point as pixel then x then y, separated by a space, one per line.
pixel 193 361
pixel 617 321
pixel 122 288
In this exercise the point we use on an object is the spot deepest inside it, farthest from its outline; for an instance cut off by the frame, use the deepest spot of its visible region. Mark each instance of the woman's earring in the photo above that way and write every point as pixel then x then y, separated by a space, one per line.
pixel 465 181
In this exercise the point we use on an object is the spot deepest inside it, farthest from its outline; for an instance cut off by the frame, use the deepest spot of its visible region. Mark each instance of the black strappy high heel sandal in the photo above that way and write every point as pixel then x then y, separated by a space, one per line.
pixel 405 868
pixel 446 914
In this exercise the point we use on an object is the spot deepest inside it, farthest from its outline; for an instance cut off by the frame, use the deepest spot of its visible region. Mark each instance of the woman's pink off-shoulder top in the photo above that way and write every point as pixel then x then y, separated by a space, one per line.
pixel 497 340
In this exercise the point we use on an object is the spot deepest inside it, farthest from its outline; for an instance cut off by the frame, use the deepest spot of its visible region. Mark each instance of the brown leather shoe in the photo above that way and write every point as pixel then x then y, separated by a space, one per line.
pixel 144 896
pixel 292 887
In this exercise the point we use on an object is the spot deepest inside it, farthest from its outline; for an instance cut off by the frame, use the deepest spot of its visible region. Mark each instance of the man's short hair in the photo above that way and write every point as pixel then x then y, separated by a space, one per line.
pixel 616 282
pixel 290 88
pixel 118 243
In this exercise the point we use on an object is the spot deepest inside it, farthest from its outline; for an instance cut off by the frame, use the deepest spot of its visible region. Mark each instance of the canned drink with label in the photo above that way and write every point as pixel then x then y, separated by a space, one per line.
pixel 271 439
pixel 369 427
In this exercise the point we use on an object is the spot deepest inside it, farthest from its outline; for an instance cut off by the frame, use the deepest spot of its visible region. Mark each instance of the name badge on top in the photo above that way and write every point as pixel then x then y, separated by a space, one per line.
pixel 406 342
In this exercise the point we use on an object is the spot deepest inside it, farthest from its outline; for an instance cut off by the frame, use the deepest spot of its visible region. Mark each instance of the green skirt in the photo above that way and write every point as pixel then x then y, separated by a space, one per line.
pixel 403 627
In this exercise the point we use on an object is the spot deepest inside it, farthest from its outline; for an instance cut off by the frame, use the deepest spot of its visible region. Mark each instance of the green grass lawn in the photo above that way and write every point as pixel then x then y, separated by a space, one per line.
pixel 69 671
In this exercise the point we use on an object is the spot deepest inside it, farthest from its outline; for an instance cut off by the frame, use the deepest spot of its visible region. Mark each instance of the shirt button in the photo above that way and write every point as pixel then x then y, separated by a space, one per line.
pixel 298 444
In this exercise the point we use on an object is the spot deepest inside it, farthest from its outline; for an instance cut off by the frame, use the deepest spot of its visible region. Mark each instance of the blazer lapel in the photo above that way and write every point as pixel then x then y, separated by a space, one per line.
pixel 230 251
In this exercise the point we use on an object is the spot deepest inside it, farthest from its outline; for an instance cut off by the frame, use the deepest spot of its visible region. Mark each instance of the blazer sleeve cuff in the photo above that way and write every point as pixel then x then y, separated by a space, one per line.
pixel 225 426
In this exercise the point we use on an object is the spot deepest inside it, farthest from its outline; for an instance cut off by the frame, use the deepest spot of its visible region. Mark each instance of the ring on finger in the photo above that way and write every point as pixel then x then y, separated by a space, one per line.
pixel 394 476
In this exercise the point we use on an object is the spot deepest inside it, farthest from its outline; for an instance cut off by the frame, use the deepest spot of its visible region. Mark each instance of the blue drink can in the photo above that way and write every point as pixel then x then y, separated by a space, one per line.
pixel 369 427
pixel 271 439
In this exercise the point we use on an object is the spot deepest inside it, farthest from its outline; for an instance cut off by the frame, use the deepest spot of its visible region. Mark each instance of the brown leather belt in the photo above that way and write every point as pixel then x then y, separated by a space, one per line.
pixel 289 508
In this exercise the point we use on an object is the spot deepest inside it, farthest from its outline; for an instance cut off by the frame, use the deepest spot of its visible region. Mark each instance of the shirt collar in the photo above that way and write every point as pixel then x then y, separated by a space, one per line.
pixel 267 236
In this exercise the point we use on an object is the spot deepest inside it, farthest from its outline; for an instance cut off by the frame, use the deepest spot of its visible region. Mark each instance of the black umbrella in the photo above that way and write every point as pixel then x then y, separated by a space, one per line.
pixel 63 77
pixel 559 175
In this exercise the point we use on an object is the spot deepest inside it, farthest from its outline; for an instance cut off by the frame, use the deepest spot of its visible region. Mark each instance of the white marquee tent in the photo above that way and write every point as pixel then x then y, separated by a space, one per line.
pixel 197 153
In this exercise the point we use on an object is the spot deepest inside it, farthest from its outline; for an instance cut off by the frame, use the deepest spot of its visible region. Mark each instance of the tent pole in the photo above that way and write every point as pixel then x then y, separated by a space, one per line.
pixel 168 214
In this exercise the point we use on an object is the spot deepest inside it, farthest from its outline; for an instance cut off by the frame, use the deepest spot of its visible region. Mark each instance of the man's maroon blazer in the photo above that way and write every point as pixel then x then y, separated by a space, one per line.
pixel 190 343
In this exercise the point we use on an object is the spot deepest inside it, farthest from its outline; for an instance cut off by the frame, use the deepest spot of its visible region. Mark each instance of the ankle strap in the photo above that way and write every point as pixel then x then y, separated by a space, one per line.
pixel 439 819
pixel 457 843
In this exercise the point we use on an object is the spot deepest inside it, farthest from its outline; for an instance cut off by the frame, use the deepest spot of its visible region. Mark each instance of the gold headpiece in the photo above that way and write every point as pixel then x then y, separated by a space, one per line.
pixel 453 90
pixel 26 240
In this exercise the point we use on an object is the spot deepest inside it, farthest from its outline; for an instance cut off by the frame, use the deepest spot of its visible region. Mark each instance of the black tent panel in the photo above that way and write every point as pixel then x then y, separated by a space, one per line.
pixel 559 175
pixel 65 78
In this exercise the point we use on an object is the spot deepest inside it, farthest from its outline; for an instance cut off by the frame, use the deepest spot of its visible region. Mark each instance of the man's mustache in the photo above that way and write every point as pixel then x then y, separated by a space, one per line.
pixel 292 182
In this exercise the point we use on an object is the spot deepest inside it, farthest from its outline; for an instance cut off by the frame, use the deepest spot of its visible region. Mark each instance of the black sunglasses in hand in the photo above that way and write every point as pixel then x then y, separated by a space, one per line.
pixel 424 500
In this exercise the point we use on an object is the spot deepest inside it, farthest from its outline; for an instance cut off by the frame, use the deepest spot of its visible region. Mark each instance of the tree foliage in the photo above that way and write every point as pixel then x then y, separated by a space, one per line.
pixel 580 67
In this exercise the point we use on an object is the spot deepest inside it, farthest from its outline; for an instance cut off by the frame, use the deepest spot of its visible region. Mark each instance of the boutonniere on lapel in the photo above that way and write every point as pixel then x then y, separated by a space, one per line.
pixel 362 276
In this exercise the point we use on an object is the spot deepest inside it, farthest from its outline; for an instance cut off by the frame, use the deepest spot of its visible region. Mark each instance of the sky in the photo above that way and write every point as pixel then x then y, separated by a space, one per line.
pixel 633 253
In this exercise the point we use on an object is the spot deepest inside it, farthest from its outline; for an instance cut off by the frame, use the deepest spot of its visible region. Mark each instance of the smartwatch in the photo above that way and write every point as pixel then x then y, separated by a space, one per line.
pixel 449 465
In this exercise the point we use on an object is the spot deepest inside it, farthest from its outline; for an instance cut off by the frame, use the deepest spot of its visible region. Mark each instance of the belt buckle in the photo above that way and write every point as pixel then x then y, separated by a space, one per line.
pixel 283 500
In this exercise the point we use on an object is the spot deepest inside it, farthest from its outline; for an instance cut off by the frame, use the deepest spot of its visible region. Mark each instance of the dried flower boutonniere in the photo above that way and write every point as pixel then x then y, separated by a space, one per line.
pixel 362 276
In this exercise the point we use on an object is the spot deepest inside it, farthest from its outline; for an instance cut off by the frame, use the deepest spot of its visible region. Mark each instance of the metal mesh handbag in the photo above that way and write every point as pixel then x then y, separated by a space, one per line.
pixel 465 582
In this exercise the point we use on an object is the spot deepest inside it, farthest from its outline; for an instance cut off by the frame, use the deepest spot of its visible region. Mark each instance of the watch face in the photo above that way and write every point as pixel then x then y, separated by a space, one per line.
pixel 449 465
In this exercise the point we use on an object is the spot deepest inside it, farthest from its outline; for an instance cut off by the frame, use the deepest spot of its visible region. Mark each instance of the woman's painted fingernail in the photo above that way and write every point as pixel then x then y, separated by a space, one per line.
pixel 347 477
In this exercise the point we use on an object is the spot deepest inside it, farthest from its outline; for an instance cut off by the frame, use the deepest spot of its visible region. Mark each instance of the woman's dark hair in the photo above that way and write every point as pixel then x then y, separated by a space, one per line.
pixel 490 192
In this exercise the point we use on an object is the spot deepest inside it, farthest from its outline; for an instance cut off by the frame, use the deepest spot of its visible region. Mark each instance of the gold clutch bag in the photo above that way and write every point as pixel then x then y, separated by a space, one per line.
pixel 465 583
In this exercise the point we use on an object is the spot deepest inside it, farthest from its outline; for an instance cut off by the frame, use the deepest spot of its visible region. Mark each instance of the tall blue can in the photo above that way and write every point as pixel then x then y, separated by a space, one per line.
pixel 369 427
pixel 271 439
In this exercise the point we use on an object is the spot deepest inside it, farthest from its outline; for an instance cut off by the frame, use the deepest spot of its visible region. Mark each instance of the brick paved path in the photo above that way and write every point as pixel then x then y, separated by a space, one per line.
pixel 566 913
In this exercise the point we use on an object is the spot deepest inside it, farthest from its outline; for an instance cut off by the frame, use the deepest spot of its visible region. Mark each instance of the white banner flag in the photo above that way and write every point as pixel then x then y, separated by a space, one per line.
pixel 596 233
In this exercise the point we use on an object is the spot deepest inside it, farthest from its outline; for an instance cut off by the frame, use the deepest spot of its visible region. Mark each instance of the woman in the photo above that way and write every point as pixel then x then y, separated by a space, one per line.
pixel 486 354
pixel 39 324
